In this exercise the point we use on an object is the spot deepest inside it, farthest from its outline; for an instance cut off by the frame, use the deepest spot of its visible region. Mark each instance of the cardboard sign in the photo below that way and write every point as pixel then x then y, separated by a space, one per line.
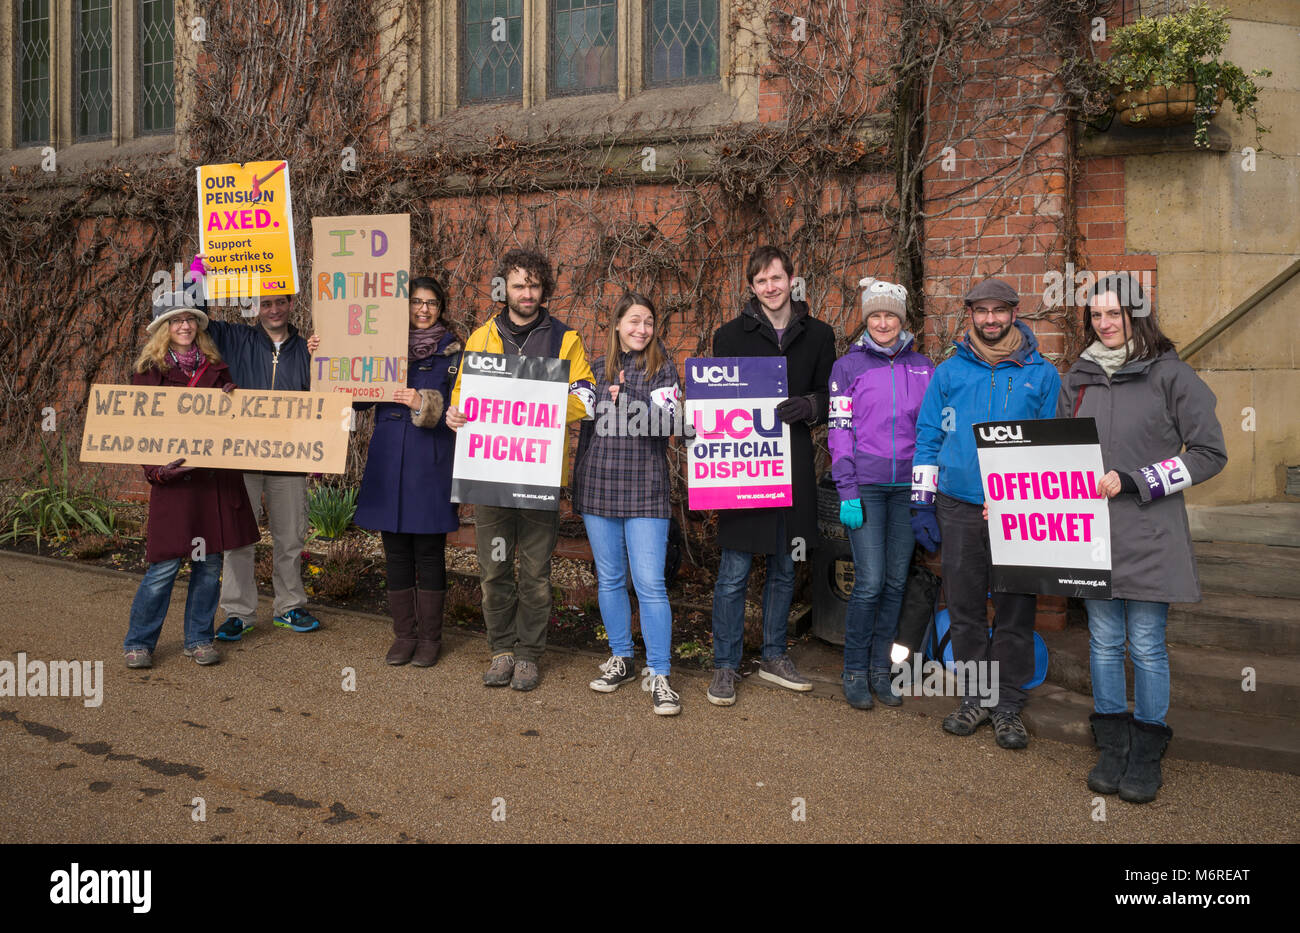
pixel 246 230
pixel 740 455
pixel 247 429
pixel 512 451
pixel 360 311
pixel 1049 531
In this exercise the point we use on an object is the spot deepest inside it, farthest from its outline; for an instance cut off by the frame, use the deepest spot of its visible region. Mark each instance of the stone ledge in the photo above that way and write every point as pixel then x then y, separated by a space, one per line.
pixel 1124 140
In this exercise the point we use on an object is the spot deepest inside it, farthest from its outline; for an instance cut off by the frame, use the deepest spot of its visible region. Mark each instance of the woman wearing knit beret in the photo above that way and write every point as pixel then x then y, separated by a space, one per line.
pixel 876 391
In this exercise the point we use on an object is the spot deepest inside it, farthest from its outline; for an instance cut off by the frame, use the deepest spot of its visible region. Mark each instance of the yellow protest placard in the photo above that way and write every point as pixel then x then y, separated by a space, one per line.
pixel 246 230
pixel 360 276
pixel 247 429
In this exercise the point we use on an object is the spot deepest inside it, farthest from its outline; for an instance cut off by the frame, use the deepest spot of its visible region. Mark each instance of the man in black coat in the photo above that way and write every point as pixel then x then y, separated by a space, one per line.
pixel 771 324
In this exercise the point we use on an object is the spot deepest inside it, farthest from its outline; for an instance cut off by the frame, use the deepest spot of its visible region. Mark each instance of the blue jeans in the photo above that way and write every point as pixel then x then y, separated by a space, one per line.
pixel 729 606
pixel 149 608
pixel 1109 620
pixel 646 540
pixel 882 552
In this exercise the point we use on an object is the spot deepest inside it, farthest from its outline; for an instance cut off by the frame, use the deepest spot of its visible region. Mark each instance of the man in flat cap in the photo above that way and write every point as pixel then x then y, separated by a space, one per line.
pixel 996 374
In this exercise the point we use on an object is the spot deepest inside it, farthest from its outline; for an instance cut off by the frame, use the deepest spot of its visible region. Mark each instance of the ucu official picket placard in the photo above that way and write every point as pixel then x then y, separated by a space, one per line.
pixel 511 453
pixel 1049 525
pixel 739 457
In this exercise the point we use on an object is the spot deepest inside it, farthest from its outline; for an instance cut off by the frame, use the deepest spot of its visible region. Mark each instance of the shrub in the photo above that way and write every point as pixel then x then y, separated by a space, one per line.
pixel 330 510
pixel 56 508
pixel 341 570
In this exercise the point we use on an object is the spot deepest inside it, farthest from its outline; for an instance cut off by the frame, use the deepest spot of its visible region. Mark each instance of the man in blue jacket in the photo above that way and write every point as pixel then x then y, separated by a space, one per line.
pixel 996 374
pixel 268 355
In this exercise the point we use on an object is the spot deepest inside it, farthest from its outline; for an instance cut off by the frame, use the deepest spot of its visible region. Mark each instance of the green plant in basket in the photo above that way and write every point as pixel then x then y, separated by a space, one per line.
pixel 1165 69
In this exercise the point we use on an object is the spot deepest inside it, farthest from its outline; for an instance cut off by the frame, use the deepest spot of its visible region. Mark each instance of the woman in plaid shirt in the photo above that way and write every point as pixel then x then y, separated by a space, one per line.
pixel 620 487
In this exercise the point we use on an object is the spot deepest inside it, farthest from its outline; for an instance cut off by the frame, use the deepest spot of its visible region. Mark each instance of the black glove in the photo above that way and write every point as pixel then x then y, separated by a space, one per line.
pixel 229 387
pixel 799 408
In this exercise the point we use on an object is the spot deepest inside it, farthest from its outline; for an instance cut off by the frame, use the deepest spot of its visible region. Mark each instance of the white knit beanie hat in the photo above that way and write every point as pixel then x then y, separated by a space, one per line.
pixel 879 295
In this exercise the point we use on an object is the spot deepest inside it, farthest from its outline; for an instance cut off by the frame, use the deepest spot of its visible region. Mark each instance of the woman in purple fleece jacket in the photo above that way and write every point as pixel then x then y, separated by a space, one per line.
pixel 876 392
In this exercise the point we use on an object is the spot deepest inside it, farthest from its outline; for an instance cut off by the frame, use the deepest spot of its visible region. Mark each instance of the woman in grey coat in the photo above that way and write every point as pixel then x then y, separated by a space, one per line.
pixel 1159 435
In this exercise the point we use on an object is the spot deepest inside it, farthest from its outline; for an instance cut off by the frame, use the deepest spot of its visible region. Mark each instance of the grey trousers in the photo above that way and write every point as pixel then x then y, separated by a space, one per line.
pixel 286 506
pixel 516 615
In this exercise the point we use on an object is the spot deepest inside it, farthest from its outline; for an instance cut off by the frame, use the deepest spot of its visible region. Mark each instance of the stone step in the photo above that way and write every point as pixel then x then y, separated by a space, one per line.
pixel 1239 623
pixel 1264 743
pixel 1200 678
pixel 1274 523
pixel 1248 569
pixel 1240 740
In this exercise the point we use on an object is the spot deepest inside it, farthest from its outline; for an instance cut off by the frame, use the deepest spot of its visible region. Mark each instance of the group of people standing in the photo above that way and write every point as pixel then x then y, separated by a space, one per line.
pixel 903 461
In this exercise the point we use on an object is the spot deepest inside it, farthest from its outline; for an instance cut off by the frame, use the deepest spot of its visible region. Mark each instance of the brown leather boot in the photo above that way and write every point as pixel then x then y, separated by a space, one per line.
pixel 401 604
pixel 428 610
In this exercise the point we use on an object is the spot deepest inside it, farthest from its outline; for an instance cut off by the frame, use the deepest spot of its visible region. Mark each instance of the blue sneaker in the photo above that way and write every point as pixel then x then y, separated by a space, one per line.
pixel 300 620
pixel 234 629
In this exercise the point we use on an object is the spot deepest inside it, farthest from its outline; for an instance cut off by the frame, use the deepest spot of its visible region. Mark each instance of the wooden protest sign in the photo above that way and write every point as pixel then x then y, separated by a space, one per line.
pixel 246 230
pixel 512 451
pixel 1049 529
pixel 360 304
pixel 247 429
pixel 739 457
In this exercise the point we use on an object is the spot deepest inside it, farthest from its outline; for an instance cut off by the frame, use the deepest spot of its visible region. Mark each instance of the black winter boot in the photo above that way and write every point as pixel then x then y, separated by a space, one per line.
pixel 1141 780
pixel 401 604
pixel 1111 730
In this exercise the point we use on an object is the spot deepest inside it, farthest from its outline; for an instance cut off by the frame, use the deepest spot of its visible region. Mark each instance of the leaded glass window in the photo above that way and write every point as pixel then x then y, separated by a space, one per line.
pixel 492 50
pixel 157 67
pixel 681 41
pixel 33 72
pixel 584 46
pixel 94 68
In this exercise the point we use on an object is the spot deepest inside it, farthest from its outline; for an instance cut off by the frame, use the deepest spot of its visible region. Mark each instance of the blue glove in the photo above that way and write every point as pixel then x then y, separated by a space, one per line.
pixel 851 514
pixel 925 527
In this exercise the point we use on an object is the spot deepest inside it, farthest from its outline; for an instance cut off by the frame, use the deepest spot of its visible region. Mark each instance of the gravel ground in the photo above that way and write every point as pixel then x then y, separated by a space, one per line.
pixel 279 750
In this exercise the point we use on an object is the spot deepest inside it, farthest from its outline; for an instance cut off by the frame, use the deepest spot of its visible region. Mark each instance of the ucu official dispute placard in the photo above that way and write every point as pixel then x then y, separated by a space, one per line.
pixel 1049 526
pixel 511 453
pixel 739 457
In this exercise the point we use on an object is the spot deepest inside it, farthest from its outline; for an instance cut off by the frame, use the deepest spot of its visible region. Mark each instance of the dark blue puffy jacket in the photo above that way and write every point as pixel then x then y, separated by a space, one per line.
pixel 254 362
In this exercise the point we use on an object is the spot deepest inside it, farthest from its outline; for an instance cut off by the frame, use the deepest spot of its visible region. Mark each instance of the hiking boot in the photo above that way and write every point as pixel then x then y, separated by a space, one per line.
pixel 139 657
pixel 203 654
pixel 857 689
pixel 1142 778
pixel 526 676
pixel 781 671
pixel 498 675
pixel 233 629
pixel 300 620
pixel 615 672
pixel 967 718
pixel 1009 730
pixel 428 612
pixel 882 685
pixel 1111 731
pixel 722 689
pixel 667 701
pixel 401 606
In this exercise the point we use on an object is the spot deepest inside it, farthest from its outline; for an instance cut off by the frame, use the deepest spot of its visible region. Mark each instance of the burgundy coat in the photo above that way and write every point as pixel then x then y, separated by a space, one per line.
pixel 204 503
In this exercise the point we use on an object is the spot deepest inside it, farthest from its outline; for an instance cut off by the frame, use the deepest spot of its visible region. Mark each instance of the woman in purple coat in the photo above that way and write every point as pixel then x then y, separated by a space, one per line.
pixel 406 489
pixel 194 513
pixel 876 393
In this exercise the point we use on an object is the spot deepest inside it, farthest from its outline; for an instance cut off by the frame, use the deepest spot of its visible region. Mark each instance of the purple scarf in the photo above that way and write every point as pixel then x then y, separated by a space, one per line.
pixel 190 359
pixel 423 343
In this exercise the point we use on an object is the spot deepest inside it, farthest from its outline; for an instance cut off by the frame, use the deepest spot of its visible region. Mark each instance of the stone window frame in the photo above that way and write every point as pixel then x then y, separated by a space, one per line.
pixel 126 136
pixel 427 88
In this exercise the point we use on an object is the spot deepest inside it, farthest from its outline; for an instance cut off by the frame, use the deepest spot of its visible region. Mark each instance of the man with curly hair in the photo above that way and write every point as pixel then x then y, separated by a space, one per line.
pixel 517 615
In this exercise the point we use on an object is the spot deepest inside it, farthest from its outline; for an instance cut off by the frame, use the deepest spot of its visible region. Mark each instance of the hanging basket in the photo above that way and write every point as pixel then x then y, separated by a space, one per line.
pixel 1161 106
